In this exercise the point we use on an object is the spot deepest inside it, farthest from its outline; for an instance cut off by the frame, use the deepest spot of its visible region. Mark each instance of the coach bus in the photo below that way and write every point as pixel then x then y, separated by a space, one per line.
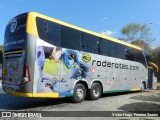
pixel 47 58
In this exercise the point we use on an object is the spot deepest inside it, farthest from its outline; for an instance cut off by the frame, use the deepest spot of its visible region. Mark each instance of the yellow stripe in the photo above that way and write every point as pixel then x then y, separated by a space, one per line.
pixel 150 67
pixel 31 28
pixel 18 51
pixel 154 65
pixel 31 24
pixel 46 95
pixel 135 89
pixel 36 95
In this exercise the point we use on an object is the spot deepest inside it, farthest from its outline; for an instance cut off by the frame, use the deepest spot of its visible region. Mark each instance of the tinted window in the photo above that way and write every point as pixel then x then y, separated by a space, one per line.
pixel 16 25
pixel 139 57
pixel 14 42
pixel 106 47
pixel 130 54
pixel 147 56
pixel 70 38
pixel 119 50
pixel 122 51
pixel 89 43
pixel 48 31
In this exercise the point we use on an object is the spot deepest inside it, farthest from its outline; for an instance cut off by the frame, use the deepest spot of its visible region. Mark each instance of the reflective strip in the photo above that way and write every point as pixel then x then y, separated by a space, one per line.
pixel 18 51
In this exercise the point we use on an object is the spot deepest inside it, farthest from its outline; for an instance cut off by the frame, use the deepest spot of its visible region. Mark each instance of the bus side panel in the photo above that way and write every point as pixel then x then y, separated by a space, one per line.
pixel 57 69
pixel 125 76
pixel 112 75
pixel 138 74
pixel 135 75
pixel 143 76
pixel 30 58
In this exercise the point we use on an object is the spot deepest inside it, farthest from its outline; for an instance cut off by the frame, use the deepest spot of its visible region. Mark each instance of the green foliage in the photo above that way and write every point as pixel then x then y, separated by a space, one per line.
pixel 136 32
pixel 156 55
pixel 142 45
pixel 156 58
pixel 140 35
pixel 1 48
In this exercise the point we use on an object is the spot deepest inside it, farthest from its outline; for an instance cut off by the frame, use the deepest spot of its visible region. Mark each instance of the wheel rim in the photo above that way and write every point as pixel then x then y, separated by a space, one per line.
pixel 96 91
pixel 79 93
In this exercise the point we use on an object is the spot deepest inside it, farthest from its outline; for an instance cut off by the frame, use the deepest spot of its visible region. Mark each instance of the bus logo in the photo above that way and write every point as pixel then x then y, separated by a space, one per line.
pixel 13 26
pixel 86 57
pixel 11 71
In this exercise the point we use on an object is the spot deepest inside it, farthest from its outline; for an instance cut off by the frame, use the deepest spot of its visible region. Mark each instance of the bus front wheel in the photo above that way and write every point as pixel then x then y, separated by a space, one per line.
pixel 79 93
pixel 95 91
pixel 142 87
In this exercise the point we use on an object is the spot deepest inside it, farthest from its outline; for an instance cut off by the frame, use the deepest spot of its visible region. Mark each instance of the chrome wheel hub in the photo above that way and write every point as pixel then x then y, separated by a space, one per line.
pixel 79 93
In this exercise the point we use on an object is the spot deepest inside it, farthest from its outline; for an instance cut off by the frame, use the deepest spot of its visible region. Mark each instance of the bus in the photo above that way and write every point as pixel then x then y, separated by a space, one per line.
pixel 47 58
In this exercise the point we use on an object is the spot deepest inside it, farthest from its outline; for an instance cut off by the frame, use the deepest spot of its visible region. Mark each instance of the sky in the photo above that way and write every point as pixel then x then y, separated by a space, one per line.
pixel 103 16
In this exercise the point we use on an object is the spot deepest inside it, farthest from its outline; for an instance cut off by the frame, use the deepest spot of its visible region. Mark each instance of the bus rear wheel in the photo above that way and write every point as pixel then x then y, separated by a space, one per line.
pixel 95 91
pixel 79 93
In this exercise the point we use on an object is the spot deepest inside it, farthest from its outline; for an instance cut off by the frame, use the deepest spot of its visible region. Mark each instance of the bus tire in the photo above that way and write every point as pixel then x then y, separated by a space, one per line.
pixel 142 87
pixel 79 93
pixel 95 91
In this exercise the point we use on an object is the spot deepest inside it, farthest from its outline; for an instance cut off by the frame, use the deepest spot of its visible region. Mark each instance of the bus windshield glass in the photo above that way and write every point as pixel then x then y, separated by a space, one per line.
pixel 14 40
pixel 16 25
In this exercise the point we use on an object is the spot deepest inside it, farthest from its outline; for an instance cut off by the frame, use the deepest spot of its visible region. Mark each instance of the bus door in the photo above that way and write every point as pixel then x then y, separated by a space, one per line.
pixel 150 78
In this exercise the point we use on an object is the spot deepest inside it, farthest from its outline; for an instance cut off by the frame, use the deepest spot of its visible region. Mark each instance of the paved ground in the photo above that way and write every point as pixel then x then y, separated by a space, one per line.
pixel 137 101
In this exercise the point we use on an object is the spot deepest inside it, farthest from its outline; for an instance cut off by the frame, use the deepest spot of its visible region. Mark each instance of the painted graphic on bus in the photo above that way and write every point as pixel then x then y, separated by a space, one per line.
pixel 59 68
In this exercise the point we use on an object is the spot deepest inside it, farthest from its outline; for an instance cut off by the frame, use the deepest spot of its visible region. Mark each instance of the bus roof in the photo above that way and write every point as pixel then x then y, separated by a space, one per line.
pixel 31 22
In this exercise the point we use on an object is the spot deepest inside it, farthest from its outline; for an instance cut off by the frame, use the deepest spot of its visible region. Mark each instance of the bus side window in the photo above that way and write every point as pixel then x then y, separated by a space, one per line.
pixel 70 38
pixel 89 43
pixel 140 57
pixel 53 33
pixel 48 31
pixel 106 48
pixel 118 51
pixel 129 54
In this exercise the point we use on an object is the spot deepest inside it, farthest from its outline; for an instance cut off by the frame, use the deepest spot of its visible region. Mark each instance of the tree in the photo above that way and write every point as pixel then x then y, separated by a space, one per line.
pixel 142 45
pixel 140 35
pixel 156 58
pixel 156 55
pixel 136 32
